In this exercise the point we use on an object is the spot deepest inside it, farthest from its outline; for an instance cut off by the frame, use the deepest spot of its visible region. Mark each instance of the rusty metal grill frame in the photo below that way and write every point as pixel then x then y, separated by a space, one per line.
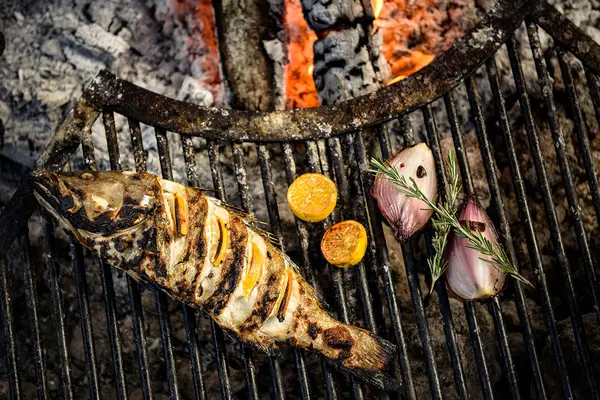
pixel 333 136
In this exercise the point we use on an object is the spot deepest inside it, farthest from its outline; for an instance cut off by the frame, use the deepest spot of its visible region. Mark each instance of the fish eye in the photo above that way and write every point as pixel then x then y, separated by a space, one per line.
pixel 66 204
pixel 86 176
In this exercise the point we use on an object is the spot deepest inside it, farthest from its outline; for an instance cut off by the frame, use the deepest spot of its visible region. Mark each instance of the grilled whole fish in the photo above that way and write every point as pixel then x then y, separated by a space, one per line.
pixel 209 256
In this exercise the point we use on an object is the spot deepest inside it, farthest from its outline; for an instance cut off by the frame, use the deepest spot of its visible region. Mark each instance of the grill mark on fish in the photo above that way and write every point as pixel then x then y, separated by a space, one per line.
pixel 232 267
pixel 221 240
pixel 148 241
pixel 314 330
pixel 284 302
pixel 160 267
pixel 265 301
pixel 194 251
pixel 338 338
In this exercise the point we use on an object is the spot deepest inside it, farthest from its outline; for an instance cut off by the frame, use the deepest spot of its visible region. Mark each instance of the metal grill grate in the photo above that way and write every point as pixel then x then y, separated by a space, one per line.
pixel 345 159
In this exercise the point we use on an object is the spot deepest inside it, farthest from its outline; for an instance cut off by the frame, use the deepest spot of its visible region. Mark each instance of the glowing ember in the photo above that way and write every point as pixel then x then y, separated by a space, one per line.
pixel 415 31
pixel 409 64
pixel 202 43
pixel 299 85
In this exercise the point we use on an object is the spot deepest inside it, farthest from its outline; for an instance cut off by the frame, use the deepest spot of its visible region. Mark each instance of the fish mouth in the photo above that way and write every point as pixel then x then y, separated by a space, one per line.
pixel 45 187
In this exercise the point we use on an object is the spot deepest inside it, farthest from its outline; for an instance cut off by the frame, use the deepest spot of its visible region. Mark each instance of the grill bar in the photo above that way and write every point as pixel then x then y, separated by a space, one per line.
pixel 306 269
pixel 291 175
pixel 594 87
pixel 440 287
pixel 356 210
pixel 337 275
pixel 106 274
pixel 490 170
pixel 241 177
pixel 57 307
pixel 359 213
pixel 32 313
pixel 162 144
pixel 275 224
pixel 520 301
pixel 385 265
pixel 9 334
pixel 165 332
pixel 81 288
pixel 450 334
pixel 422 324
pixel 275 228
pixel 113 332
pixel 559 145
pixel 107 281
pixel 85 319
pixel 218 337
pixel 189 315
pixel 246 199
pixel 534 251
pixel 581 131
pixel 314 162
pixel 160 298
pixel 139 335
pixel 137 317
pixel 468 306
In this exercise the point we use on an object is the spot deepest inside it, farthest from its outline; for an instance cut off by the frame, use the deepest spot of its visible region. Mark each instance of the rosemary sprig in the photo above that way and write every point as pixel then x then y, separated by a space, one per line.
pixel 436 262
pixel 445 219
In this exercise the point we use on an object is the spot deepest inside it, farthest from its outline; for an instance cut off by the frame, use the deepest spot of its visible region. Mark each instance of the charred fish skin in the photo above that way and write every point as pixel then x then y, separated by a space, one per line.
pixel 208 255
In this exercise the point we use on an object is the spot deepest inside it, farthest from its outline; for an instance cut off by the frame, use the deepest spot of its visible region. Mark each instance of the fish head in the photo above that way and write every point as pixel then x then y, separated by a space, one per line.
pixel 97 204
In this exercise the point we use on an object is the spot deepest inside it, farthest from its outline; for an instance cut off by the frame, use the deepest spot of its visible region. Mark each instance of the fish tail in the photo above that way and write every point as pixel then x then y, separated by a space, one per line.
pixel 369 358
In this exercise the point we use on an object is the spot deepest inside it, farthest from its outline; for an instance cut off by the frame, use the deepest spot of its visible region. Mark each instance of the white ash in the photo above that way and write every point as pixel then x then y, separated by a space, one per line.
pixel 96 36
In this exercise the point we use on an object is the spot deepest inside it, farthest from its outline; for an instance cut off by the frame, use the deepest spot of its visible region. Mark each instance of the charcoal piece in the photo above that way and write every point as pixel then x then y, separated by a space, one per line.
pixel 325 14
pixel 347 66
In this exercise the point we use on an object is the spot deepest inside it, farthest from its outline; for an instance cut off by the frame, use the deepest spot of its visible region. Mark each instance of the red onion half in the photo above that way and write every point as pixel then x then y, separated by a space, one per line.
pixel 470 274
pixel 407 215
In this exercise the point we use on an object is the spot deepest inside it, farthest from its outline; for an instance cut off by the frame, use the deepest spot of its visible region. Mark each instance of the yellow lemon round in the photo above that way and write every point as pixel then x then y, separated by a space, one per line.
pixel 344 244
pixel 312 197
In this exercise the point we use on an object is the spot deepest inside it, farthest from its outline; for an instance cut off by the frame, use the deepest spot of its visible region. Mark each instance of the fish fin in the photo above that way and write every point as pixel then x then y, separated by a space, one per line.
pixel 272 350
pixel 251 222
pixel 379 379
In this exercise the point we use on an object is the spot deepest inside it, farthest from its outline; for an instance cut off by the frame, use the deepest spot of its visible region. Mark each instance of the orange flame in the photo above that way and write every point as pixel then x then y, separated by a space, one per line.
pixel 377 6
pixel 300 87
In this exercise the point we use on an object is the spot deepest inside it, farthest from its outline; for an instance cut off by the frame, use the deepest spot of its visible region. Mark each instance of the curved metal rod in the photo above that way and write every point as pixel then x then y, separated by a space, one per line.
pixel 108 92
pixel 567 35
